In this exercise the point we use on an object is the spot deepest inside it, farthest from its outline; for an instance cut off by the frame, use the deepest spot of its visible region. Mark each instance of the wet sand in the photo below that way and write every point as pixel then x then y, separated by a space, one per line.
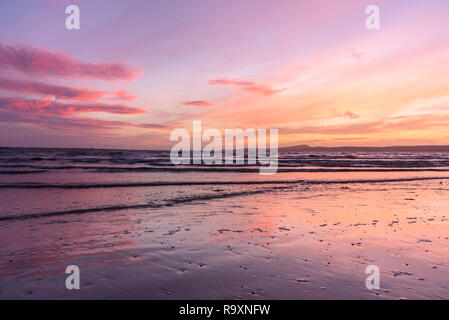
pixel 295 241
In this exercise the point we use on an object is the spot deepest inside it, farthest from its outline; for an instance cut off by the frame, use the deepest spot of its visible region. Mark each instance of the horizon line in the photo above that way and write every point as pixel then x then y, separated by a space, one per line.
pixel 304 147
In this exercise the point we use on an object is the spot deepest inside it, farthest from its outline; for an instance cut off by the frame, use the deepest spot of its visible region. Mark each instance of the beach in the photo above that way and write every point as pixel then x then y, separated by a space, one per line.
pixel 311 237
pixel 236 150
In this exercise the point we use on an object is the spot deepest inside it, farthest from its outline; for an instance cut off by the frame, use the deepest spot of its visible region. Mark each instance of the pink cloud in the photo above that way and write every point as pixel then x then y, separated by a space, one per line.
pixel 154 126
pixel 58 122
pixel 197 103
pixel 49 107
pixel 350 115
pixel 246 85
pixel 61 92
pixel 41 62
pixel 52 113
pixel 356 54
pixel 123 95
pixel 226 82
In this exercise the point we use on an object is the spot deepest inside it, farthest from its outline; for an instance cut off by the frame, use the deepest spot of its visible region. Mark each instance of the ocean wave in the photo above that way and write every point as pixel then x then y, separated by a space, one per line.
pixel 149 205
pixel 219 168
pixel 155 160
pixel 38 185
pixel 280 185
pixel 21 171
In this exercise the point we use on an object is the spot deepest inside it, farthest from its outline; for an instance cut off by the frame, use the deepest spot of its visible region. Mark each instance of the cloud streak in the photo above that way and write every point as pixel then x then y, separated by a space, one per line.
pixel 56 122
pixel 197 103
pixel 387 125
pixel 41 62
pixel 64 123
pixel 246 85
pixel 351 115
pixel 48 107
pixel 61 92
pixel 154 126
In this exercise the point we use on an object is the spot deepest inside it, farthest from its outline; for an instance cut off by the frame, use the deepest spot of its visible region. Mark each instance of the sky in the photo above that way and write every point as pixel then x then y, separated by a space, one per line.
pixel 136 70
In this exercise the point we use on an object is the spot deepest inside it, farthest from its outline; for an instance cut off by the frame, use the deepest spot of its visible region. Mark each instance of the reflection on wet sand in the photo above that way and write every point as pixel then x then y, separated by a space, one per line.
pixel 301 242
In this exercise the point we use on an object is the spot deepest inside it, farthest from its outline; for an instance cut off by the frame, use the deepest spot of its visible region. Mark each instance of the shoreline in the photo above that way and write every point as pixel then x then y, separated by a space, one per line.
pixel 307 242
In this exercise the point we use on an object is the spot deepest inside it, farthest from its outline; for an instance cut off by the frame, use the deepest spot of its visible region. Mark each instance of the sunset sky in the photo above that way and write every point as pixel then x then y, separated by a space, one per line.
pixel 138 69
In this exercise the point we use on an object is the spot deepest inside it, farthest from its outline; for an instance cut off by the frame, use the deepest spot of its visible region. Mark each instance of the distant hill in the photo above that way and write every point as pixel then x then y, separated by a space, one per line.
pixel 307 148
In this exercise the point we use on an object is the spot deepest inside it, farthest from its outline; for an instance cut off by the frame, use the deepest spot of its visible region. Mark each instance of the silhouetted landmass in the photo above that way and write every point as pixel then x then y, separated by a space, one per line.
pixel 297 148
pixel 307 148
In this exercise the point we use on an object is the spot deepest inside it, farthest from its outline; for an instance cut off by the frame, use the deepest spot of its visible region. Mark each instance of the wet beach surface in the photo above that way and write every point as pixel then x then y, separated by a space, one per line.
pixel 291 242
